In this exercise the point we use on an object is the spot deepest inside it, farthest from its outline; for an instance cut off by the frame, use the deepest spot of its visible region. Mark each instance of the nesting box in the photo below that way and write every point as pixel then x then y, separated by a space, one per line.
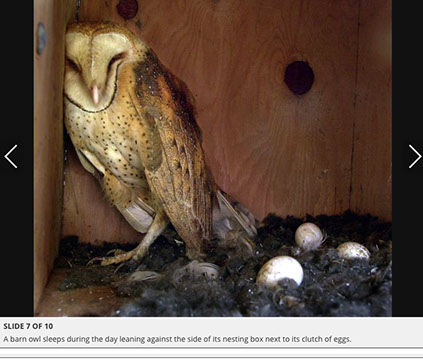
pixel 293 99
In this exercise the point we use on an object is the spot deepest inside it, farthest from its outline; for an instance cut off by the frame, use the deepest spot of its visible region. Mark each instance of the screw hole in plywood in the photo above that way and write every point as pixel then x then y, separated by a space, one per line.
pixel 41 38
pixel 299 77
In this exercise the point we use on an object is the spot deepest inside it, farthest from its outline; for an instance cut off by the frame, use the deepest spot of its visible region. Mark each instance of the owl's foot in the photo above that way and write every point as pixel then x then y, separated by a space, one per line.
pixel 159 224
pixel 137 254
pixel 101 258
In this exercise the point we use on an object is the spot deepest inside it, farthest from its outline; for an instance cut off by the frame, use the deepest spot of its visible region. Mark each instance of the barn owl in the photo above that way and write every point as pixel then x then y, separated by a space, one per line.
pixel 132 123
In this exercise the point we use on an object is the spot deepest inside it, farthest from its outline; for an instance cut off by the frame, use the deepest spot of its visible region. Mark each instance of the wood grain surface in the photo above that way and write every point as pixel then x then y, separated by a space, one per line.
pixel 319 153
pixel 48 136
pixel 81 302
pixel 372 165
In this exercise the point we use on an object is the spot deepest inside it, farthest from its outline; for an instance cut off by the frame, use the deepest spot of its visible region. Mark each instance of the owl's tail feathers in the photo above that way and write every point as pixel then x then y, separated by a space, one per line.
pixel 233 224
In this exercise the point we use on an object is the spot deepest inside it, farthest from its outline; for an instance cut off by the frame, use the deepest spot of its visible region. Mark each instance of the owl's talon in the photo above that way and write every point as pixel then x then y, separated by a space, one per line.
pixel 98 258
pixel 156 228
pixel 115 252
pixel 117 259
pixel 117 268
pixel 136 254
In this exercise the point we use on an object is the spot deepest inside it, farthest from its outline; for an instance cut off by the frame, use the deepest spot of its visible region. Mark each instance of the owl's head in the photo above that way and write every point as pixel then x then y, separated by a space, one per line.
pixel 94 53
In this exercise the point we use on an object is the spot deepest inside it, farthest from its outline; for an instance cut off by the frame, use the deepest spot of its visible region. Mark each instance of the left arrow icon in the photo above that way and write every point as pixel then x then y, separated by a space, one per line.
pixel 7 158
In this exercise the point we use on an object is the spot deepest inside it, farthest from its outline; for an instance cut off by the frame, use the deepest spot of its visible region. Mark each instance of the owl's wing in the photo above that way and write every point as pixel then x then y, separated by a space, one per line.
pixel 171 152
pixel 86 163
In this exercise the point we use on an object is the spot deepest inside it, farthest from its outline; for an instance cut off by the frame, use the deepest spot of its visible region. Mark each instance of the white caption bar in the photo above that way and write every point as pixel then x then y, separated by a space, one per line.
pixel 211 337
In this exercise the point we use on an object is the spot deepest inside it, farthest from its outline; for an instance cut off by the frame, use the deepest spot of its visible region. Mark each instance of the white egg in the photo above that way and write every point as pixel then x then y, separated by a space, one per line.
pixel 353 250
pixel 309 236
pixel 278 268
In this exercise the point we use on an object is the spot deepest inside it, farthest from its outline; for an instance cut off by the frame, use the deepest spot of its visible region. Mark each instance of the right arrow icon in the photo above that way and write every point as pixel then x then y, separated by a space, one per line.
pixel 418 157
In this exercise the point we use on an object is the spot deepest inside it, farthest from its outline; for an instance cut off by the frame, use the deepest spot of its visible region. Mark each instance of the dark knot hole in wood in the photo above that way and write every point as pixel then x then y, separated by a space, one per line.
pixel 127 8
pixel 299 77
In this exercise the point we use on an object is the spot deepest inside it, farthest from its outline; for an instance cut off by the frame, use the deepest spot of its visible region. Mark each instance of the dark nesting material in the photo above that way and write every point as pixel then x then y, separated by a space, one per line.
pixel 331 287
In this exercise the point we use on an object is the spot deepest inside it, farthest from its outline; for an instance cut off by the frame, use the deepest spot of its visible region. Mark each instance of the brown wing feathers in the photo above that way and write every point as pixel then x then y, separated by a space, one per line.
pixel 181 180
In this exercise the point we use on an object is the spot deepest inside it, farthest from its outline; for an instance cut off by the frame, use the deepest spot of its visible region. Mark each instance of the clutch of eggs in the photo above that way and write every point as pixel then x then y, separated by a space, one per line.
pixel 353 250
pixel 278 268
pixel 308 236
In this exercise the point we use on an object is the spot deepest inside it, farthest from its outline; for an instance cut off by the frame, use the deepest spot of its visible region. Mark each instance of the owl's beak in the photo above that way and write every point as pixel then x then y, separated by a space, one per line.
pixel 94 93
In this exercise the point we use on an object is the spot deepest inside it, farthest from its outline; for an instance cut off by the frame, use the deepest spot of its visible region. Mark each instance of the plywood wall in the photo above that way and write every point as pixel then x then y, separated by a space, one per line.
pixel 372 161
pixel 323 152
pixel 48 135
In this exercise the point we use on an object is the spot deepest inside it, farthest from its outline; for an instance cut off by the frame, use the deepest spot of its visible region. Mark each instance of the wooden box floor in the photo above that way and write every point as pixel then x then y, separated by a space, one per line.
pixel 89 301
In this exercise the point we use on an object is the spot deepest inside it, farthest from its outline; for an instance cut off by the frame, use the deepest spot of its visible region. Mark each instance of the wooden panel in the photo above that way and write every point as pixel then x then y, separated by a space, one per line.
pixel 272 150
pixel 372 166
pixel 88 301
pixel 48 136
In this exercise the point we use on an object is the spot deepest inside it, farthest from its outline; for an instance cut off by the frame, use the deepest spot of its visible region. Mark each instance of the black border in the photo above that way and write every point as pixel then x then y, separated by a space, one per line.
pixel 17 128
pixel 407 183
